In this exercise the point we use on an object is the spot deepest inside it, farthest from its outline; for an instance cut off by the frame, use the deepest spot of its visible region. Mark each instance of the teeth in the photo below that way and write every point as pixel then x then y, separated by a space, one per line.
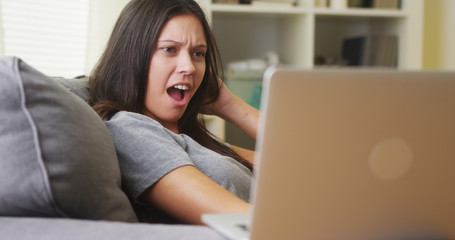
pixel 181 87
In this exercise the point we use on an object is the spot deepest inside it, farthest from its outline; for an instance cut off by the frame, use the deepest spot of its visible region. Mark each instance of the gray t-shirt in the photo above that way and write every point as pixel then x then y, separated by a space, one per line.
pixel 147 151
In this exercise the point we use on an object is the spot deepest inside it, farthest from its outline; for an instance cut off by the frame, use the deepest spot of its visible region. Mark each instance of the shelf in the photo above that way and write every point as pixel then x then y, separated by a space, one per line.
pixel 242 9
pixel 304 33
pixel 350 12
pixel 356 12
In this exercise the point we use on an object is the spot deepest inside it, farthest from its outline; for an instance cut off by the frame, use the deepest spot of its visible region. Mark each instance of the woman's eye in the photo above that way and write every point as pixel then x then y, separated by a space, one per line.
pixel 169 49
pixel 199 54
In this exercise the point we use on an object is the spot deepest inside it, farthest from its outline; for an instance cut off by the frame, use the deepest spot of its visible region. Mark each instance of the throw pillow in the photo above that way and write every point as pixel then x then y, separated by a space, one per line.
pixel 57 158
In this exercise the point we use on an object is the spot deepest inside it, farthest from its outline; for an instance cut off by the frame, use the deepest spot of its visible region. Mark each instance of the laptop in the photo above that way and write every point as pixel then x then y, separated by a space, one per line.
pixel 352 154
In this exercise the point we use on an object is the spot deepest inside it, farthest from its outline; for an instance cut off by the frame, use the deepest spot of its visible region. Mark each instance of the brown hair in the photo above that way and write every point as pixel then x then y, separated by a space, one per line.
pixel 119 80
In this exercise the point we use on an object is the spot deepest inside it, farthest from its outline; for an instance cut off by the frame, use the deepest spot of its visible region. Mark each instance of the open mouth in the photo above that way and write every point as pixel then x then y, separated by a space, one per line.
pixel 178 92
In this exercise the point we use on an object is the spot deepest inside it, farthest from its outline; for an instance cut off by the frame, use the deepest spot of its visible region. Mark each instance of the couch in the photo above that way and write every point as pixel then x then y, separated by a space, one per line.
pixel 59 173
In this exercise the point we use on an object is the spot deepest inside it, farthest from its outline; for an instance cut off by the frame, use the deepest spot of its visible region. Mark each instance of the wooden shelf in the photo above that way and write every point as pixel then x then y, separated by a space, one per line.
pixel 357 12
pixel 240 8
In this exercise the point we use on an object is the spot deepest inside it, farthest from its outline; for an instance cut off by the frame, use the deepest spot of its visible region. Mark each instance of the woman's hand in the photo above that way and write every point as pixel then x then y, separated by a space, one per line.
pixel 225 98
pixel 233 109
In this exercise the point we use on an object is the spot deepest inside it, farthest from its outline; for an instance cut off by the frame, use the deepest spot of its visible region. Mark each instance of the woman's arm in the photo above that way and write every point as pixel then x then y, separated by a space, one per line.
pixel 186 193
pixel 233 109
pixel 246 154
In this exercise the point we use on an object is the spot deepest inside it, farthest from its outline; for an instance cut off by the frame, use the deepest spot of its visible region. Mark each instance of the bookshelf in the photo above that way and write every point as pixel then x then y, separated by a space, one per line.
pixel 304 32
pixel 300 33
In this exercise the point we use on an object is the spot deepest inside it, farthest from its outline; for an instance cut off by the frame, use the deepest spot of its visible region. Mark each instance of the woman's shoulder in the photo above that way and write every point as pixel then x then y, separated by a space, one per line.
pixel 124 120
pixel 125 117
pixel 125 126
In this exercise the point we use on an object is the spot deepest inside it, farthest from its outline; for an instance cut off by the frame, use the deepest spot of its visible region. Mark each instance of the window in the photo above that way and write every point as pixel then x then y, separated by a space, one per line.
pixel 50 35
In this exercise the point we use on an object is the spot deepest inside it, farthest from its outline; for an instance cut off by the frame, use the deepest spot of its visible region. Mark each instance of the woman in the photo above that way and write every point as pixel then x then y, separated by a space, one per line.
pixel 160 69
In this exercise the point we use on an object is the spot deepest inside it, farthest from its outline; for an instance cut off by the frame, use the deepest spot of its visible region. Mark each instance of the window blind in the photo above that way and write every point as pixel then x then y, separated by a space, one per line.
pixel 50 35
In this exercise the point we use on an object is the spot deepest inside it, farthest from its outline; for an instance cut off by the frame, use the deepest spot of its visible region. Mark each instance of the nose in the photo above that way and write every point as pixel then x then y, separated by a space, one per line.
pixel 185 63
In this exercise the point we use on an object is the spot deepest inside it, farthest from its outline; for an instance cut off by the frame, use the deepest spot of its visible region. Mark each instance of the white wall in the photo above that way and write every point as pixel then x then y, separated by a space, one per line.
pixel 1 32
pixel 448 41
pixel 103 15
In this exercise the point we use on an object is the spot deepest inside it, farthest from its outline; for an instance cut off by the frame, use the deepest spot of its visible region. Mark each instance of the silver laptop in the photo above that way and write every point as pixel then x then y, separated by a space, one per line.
pixel 352 154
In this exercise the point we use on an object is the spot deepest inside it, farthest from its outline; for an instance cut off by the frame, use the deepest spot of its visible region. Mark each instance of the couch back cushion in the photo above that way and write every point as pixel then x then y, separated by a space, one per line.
pixel 56 155
pixel 78 86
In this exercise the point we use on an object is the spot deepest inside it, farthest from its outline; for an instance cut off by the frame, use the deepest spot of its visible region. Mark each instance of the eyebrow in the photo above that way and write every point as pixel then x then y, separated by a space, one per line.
pixel 179 43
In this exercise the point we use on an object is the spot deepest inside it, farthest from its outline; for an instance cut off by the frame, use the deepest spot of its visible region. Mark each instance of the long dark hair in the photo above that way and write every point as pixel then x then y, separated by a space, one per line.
pixel 119 80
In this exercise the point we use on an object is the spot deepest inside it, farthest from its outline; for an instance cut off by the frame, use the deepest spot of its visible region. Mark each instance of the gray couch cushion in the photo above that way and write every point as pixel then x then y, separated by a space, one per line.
pixel 77 86
pixel 56 156
pixel 70 229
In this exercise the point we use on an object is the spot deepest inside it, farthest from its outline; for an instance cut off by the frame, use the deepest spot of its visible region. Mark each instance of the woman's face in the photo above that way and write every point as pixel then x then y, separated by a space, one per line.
pixel 176 70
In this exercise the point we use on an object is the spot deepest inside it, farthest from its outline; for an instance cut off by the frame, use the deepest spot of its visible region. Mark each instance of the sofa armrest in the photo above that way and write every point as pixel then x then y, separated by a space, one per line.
pixel 57 228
